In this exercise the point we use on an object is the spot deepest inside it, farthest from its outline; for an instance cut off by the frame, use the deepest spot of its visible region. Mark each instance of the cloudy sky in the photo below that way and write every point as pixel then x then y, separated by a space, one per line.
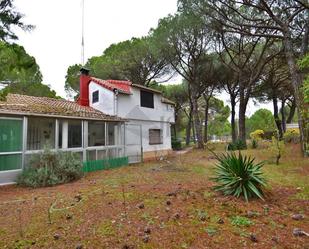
pixel 56 40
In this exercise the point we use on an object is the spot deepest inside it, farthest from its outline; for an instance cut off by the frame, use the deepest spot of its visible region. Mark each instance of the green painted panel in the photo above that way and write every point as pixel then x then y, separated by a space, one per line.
pixel 111 163
pixel 11 135
pixel 10 162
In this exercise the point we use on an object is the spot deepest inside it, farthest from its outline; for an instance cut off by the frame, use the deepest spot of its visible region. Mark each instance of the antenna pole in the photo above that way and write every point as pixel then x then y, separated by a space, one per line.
pixel 83 29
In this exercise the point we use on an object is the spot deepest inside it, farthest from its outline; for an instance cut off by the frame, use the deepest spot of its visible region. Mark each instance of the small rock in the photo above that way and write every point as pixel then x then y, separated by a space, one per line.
pixel 141 206
pixel 125 246
pixel 298 232
pixel 146 238
pixel 172 194
pixel 167 209
pixel 251 214
pixel 69 216
pixel 253 237
pixel 220 221
pixel 147 230
pixel 168 202
pixel 203 217
pixel 176 216
pixel 298 217
pixel 79 246
pixel 56 236
pixel 275 239
pixel 78 197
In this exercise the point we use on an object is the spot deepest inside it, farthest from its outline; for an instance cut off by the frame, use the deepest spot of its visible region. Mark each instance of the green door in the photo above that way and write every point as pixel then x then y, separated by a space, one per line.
pixel 11 140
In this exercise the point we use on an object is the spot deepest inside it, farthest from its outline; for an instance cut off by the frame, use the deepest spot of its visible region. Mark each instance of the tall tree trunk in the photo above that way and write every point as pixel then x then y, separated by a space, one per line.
pixel 292 112
pixel 242 115
pixel 276 116
pixel 283 117
pixel 188 128
pixel 233 114
pixel 296 79
pixel 206 118
pixel 197 123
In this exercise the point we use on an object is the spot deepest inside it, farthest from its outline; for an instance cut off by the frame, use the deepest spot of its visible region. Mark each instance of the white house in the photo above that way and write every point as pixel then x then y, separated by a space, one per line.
pixel 111 119
pixel 148 116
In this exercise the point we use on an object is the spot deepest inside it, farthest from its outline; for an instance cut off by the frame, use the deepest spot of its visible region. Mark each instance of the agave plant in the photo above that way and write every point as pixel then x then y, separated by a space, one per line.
pixel 238 175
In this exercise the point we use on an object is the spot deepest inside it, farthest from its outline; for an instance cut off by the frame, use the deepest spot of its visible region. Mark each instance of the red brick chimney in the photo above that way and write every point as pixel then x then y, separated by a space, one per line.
pixel 84 81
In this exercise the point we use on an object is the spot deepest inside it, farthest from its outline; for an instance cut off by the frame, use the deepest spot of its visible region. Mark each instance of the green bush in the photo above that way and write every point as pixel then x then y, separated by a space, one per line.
pixel 50 168
pixel 239 176
pixel 237 145
pixel 176 144
pixel 254 144
pixel 257 135
pixel 269 134
pixel 291 136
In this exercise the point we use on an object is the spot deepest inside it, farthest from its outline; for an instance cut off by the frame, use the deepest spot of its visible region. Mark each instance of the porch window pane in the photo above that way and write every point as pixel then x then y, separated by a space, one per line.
pixel 96 133
pixel 10 162
pixel 70 134
pixel 10 135
pixel 41 132
pixel 113 133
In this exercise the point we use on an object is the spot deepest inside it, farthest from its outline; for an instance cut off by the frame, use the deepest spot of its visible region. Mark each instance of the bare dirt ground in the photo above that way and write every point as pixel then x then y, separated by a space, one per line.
pixel 165 204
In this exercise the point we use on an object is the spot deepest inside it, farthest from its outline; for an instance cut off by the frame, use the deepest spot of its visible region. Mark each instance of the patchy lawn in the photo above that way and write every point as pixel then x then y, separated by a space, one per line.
pixel 168 204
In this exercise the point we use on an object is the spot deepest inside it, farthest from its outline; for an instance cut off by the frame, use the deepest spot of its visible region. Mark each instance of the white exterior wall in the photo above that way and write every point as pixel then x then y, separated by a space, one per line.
pixel 166 135
pixel 106 101
pixel 129 107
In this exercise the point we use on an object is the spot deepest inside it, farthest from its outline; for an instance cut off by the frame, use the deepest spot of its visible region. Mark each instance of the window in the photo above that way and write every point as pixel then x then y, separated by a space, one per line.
pixel 147 99
pixel 41 132
pixel 155 136
pixel 95 96
pixel 70 134
pixel 96 133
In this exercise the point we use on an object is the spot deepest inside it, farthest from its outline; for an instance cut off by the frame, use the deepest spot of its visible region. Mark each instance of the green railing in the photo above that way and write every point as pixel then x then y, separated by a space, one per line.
pixel 111 163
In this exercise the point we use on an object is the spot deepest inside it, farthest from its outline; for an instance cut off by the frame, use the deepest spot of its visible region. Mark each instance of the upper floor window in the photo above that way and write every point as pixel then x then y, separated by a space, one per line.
pixel 147 99
pixel 95 96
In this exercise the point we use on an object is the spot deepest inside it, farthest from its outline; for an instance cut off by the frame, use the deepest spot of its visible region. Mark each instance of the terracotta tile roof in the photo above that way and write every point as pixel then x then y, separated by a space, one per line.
pixel 167 101
pixel 122 86
pixel 30 105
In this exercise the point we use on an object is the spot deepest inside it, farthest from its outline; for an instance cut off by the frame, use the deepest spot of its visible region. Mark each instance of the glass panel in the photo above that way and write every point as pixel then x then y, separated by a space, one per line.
pixel 113 133
pixel 101 154
pixel 10 135
pixel 70 134
pixel 41 132
pixel 10 162
pixel 96 133
pixel 91 155
pixel 112 153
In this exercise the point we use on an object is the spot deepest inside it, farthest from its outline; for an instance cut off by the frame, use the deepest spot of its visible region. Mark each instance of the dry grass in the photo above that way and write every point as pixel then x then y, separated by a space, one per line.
pixel 103 210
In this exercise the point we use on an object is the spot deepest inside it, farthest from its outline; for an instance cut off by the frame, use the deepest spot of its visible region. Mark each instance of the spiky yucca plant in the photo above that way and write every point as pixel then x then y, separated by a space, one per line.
pixel 238 175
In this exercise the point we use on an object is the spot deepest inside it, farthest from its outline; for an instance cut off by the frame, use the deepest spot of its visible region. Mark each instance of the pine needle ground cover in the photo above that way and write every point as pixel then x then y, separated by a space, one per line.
pixel 167 204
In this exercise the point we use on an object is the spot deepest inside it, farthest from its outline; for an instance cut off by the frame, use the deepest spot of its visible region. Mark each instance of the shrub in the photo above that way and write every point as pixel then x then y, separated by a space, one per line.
pixel 254 144
pixel 257 135
pixel 269 134
pixel 277 148
pixel 291 135
pixel 50 168
pixel 239 176
pixel 237 145
pixel 176 144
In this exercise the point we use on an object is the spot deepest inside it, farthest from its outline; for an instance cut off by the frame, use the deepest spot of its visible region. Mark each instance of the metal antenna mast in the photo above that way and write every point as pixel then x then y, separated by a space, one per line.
pixel 83 29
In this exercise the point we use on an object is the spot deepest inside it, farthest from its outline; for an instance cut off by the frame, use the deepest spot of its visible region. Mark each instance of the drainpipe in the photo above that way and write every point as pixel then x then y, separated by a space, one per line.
pixel 115 102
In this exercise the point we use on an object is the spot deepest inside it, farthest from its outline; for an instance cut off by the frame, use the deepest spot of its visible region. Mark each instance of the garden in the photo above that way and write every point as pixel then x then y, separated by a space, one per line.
pixel 169 203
